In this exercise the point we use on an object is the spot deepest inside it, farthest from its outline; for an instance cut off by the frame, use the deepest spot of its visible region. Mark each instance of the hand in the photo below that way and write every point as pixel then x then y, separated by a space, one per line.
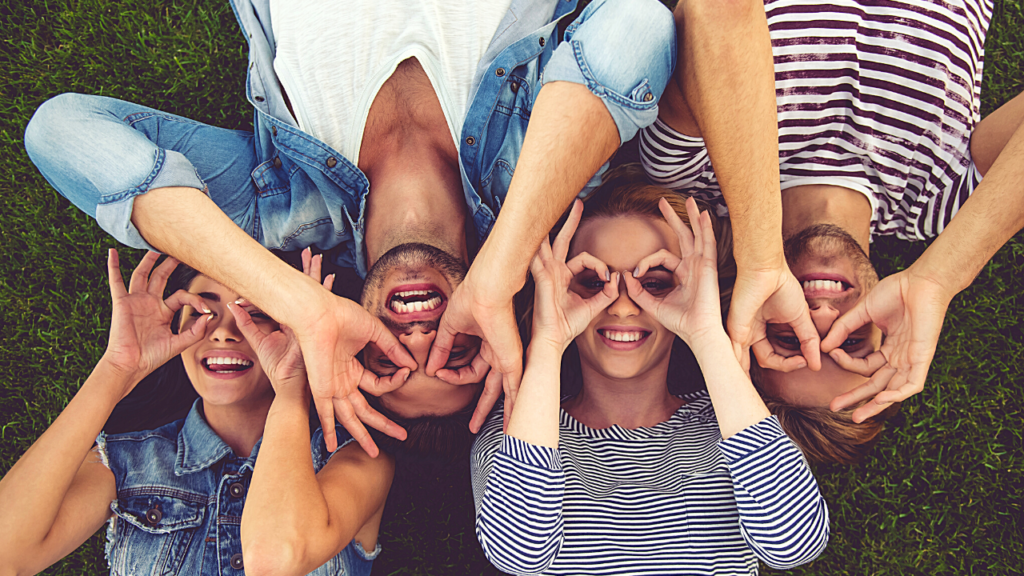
pixel 140 327
pixel 692 309
pixel 909 310
pixel 330 345
pixel 559 314
pixel 475 310
pixel 772 296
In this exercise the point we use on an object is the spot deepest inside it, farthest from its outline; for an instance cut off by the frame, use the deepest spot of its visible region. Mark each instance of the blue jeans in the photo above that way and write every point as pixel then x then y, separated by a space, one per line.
pixel 288 190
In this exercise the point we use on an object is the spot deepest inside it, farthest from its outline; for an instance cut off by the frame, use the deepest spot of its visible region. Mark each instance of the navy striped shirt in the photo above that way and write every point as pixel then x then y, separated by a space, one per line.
pixel 673 498
pixel 877 96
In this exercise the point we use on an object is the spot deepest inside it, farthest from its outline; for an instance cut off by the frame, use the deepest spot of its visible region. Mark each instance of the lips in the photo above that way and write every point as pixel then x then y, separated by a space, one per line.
pixel 623 337
pixel 414 302
pixel 226 363
pixel 824 285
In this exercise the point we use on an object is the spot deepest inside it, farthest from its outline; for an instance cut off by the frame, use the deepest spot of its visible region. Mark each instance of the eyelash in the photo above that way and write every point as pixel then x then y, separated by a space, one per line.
pixel 651 285
pixel 793 342
pixel 385 362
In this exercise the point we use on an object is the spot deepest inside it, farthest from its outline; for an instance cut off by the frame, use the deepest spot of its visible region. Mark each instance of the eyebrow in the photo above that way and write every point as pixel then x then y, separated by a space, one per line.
pixel 659 269
pixel 209 296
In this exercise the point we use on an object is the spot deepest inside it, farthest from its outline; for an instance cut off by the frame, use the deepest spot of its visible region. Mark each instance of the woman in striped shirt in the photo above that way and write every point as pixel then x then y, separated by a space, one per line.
pixel 625 477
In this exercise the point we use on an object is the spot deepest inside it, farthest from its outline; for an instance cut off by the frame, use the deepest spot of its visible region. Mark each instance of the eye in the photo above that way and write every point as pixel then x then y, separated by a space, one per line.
pixel 851 342
pixel 259 316
pixel 386 362
pixel 593 284
pixel 789 342
pixel 655 286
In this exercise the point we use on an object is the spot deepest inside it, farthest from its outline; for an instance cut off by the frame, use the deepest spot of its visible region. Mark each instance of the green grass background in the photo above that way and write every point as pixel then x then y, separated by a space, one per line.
pixel 941 494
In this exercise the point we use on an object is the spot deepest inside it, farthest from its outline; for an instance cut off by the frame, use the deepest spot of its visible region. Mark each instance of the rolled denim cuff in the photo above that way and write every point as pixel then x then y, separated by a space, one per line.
pixel 171 169
pixel 624 52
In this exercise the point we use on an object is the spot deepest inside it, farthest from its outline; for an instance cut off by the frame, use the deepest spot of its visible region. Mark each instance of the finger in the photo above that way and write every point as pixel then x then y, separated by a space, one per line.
pixel 473 373
pixel 378 385
pixel 307 256
pixel 505 352
pixel 804 329
pixel 346 414
pixel 140 276
pixel 492 391
pixel 329 282
pixel 182 298
pixel 315 267
pixel 441 349
pixel 660 258
pixel 325 410
pixel 506 415
pixel 585 261
pixel 642 297
pixel 196 332
pixel 389 344
pixel 560 248
pixel 158 279
pixel 865 366
pixel 371 417
pixel 683 232
pixel 913 384
pixel 853 319
pixel 246 326
pixel 768 358
pixel 877 383
pixel 604 298
pixel 708 233
pixel 117 289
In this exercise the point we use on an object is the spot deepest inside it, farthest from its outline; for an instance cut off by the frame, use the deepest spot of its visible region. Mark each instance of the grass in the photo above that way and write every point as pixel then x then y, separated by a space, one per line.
pixel 942 493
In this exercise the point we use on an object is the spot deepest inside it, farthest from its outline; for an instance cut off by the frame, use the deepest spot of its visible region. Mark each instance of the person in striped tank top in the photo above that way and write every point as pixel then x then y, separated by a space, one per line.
pixel 869 125
pixel 624 477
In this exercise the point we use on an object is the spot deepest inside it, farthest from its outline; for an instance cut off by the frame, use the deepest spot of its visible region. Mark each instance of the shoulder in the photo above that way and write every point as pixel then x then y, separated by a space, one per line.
pixel 141 450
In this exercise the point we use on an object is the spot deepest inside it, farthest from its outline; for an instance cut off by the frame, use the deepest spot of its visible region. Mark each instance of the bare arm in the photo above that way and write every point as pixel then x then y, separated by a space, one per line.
pixel 332 330
pixel 724 91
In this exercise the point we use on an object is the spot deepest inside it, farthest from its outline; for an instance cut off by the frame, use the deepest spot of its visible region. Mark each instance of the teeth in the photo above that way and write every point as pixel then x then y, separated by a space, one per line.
pixel 618 336
pixel 224 360
pixel 412 293
pixel 421 306
pixel 824 285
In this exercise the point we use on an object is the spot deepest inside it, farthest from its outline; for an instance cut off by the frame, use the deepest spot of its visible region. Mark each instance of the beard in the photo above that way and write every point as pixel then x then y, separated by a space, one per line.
pixel 411 255
pixel 829 243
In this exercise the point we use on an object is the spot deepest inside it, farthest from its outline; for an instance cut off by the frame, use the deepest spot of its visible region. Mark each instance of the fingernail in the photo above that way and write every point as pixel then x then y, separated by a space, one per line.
pixel 331 276
pixel 636 272
pixel 239 302
pixel 210 317
pixel 308 249
pixel 207 310
pixel 607 276
pixel 407 374
pixel 801 365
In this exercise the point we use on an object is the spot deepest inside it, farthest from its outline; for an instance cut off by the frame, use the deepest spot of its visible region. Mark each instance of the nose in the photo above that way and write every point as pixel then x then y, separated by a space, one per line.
pixel 623 306
pixel 225 329
pixel 823 315
pixel 418 340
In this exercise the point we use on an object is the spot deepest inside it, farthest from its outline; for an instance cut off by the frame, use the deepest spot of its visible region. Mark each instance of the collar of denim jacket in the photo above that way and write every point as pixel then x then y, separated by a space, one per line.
pixel 199 447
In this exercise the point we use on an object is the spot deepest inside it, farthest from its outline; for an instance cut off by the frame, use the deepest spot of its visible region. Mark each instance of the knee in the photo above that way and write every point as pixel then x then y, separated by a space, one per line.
pixel 52 125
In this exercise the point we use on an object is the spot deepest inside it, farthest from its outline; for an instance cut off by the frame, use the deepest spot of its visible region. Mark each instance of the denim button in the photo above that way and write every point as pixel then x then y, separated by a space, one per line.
pixel 541 41
pixel 648 97
pixel 470 140
pixel 514 86
pixel 500 71
pixel 332 162
pixel 277 162
pixel 237 490
pixel 153 516
pixel 236 561
pixel 258 98
pixel 273 130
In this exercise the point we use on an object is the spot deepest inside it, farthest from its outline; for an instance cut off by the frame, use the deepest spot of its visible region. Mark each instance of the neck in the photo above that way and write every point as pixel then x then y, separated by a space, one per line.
pixel 239 425
pixel 806 206
pixel 415 196
pixel 637 402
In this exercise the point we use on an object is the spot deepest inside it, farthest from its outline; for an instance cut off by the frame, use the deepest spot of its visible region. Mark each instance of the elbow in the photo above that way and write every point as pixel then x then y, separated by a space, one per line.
pixel 271 557
pixel 806 549
pixel 521 557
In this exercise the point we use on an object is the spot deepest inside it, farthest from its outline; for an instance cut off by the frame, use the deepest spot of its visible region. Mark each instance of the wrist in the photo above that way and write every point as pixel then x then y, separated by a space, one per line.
pixel 113 381
pixel 546 346
pixel 708 344
pixel 948 281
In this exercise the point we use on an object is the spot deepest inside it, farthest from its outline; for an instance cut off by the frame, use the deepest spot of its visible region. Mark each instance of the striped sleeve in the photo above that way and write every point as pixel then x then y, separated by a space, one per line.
pixel 783 517
pixel 519 489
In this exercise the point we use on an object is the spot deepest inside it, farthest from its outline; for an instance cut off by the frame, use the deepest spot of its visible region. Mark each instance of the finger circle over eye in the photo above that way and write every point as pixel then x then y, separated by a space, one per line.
pixel 586 261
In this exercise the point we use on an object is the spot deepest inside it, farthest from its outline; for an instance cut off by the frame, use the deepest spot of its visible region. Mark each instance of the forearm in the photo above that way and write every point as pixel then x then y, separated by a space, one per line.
pixel 33 490
pixel 990 217
pixel 737 404
pixel 570 135
pixel 727 78
pixel 535 415
pixel 186 224
pixel 285 508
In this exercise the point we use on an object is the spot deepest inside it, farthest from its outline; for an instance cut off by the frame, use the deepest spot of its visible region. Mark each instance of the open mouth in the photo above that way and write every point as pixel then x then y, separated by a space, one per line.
pixel 419 300
pixel 623 339
pixel 226 365
pixel 823 285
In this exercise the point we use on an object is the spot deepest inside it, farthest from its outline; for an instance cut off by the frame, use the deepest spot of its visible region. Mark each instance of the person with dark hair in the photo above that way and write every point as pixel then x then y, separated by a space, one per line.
pixel 229 486
pixel 382 127
pixel 624 476
pixel 868 124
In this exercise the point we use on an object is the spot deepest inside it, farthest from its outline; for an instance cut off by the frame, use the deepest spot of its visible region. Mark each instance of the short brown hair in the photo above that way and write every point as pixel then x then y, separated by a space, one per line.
pixel 824 436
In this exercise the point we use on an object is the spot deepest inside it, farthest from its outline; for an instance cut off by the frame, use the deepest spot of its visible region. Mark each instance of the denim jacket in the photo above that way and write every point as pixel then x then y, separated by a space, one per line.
pixel 180 493
pixel 327 199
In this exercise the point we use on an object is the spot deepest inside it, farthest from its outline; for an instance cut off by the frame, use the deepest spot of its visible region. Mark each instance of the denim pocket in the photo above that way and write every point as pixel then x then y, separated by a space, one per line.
pixel 153 530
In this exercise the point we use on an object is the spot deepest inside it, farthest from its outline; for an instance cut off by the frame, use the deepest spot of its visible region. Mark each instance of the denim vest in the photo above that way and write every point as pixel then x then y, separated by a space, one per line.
pixel 309 194
pixel 180 493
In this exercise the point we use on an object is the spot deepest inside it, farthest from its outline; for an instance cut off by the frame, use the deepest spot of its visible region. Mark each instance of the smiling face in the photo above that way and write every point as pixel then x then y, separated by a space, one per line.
pixel 836 274
pixel 623 341
pixel 408 290
pixel 223 367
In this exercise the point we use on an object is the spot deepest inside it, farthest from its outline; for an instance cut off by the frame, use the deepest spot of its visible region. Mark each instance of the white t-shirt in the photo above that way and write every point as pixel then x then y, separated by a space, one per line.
pixel 333 57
